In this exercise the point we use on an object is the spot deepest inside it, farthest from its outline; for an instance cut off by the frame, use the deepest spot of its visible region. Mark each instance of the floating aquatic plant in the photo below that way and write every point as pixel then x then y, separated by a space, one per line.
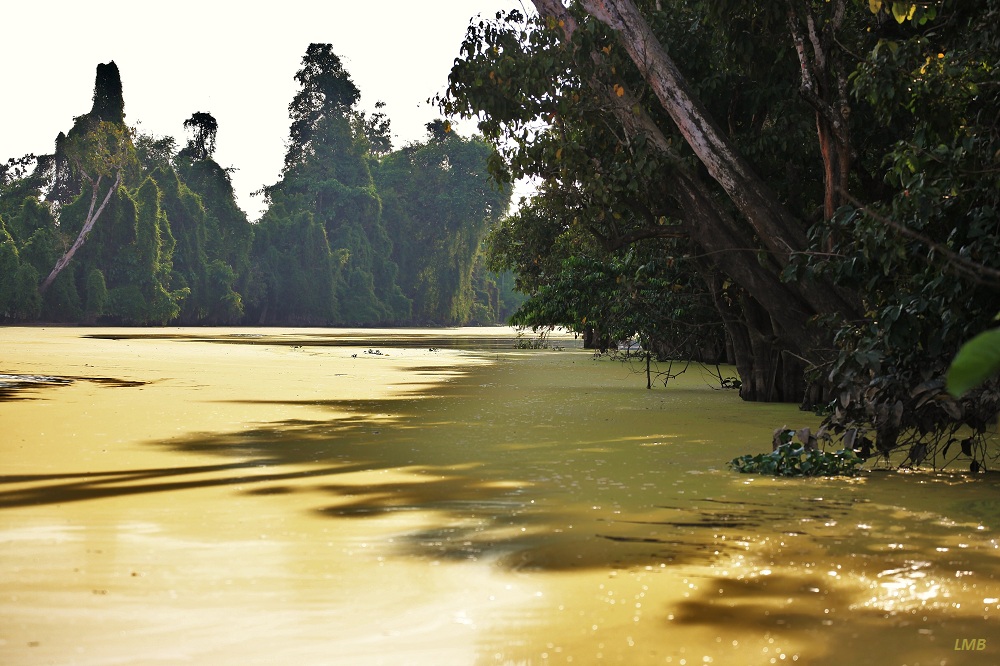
pixel 792 459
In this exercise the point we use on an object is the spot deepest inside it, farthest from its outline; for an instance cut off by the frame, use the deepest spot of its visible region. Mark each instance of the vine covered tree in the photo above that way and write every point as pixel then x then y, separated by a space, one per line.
pixel 327 198
pixel 93 155
pixel 143 233
pixel 90 221
pixel 438 203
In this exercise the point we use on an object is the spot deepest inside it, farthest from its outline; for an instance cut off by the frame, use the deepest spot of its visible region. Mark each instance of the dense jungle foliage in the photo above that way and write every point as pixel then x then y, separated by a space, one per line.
pixel 121 228
pixel 806 188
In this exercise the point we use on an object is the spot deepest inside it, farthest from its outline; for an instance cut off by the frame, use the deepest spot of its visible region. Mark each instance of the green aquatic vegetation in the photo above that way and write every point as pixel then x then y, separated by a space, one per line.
pixel 792 459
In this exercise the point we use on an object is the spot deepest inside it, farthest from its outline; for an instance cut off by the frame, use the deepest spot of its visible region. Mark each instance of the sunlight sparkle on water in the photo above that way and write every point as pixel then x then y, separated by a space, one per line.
pixel 907 587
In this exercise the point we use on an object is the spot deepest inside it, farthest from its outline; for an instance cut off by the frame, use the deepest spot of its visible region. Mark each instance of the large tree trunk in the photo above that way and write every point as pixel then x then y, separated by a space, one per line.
pixel 777 229
pixel 780 232
pixel 771 348
pixel 768 372
pixel 595 338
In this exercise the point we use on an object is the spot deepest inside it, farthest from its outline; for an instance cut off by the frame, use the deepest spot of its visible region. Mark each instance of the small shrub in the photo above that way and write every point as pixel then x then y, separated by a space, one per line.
pixel 522 341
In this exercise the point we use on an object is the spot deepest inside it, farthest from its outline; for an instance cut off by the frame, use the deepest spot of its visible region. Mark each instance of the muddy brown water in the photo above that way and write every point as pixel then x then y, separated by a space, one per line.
pixel 236 496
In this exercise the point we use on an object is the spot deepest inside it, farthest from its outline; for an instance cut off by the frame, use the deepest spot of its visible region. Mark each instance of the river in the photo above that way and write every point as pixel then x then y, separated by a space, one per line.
pixel 314 497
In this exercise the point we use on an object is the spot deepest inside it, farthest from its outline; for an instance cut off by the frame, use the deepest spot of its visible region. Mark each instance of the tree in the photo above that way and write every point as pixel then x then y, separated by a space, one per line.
pixel 438 203
pixel 9 263
pixel 154 152
pixel 780 231
pixel 142 292
pixel 96 301
pixel 376 129
pixel 922 248
pixel 96 152
pixel 99 154
pixel 295 274
pixel 227 238
pixel 326 91
pixel 567 109
pixel 890 107
pixel 327 182
pixel 646 292
pixel 109 103
pixel 204 129
pixel 187 219
pixel 123 272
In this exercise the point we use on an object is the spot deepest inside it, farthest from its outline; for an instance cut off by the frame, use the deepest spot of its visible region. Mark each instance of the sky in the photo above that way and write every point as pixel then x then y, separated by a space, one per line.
pixel 234 59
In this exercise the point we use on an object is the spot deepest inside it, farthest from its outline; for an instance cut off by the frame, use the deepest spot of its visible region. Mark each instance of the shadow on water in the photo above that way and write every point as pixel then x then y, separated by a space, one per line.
pixel 66 488
pixel 271 454
pixel 831 622
pixel 508 473
pixel 539 472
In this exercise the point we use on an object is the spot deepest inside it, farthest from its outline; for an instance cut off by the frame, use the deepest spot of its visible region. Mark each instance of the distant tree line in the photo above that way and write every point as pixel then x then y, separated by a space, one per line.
pixel 116 227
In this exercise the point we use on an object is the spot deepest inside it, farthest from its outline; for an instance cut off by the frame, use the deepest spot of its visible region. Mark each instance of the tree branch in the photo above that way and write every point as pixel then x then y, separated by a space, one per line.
pixel 809 88
pixel 978 273
pixel 619 241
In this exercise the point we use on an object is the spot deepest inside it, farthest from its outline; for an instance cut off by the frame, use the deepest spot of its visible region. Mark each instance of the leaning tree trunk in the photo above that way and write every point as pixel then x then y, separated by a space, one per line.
pixel 791 307
pixel 781 233
pixel 88 224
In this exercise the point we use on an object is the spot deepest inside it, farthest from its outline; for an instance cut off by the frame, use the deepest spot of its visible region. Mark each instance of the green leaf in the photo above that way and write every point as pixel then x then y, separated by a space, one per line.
pixel 977 361
pixel 900 10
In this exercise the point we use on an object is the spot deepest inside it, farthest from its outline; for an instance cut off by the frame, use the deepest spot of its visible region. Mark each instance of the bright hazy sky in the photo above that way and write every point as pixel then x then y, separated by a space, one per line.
pixel 233 59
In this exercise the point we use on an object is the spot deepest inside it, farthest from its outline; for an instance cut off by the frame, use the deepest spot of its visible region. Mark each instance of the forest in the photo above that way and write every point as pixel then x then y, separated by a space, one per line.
pixel 807 190
pixel 120 228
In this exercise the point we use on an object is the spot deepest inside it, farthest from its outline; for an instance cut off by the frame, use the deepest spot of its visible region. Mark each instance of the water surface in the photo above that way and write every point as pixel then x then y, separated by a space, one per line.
pixel 236 496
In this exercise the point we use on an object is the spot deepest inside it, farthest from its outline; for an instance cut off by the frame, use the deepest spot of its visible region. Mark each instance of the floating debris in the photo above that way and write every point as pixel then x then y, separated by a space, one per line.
pixel 12 385
pixel 16 380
